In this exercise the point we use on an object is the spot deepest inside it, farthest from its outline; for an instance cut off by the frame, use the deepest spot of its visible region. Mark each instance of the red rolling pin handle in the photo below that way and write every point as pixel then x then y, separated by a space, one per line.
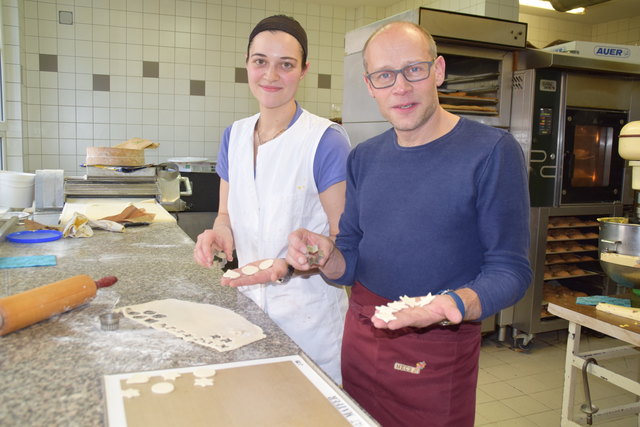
pixel 105 282
pixel 32 306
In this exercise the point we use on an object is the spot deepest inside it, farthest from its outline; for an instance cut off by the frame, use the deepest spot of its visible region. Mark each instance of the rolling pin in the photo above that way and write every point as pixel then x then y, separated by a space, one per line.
pixel 32 306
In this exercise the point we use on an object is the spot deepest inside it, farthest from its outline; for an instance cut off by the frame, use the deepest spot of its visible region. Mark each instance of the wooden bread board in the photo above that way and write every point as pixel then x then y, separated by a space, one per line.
pixel 278 392
pixel 111 156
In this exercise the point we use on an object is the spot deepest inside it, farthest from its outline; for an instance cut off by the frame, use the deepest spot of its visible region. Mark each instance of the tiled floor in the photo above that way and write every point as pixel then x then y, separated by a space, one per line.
pixel 525 389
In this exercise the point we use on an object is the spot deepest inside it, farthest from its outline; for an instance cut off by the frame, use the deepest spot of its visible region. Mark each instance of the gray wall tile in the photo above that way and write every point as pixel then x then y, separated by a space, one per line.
pixel 48 62
pixel 197 88
pixel 101 82
pixel 241 75
pixel 324 81
pixel 150 69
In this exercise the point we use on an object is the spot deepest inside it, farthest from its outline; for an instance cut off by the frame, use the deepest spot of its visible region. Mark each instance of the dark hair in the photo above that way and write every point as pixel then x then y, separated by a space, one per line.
pixel 282 23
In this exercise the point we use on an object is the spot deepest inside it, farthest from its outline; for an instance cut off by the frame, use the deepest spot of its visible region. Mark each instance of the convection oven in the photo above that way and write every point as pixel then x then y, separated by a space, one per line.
pixel 567 112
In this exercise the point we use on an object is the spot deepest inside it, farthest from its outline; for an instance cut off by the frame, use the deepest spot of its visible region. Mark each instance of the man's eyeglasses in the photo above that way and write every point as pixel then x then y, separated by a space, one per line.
pixel 412 72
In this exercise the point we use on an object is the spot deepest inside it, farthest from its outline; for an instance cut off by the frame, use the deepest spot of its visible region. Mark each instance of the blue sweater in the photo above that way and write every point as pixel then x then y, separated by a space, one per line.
pixel 448 214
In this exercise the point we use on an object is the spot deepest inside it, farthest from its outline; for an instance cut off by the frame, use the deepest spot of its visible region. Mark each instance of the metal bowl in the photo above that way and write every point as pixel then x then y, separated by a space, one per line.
pixel 620 238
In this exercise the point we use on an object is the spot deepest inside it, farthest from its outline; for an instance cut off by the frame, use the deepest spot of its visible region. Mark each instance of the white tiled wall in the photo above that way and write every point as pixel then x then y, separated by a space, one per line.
pixel 543 31
pixel 52 117
pixel 201 40
pixel 623 31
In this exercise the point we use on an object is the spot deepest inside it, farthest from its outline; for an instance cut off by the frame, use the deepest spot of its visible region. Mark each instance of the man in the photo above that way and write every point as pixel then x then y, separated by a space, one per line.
pixel 437 203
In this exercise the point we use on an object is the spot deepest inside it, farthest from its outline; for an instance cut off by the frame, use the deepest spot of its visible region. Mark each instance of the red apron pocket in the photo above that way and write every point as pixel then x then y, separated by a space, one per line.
pixel 406 377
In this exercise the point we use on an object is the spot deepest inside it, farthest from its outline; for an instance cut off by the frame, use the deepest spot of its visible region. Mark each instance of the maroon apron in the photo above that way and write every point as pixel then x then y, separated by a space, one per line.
pixel 409 377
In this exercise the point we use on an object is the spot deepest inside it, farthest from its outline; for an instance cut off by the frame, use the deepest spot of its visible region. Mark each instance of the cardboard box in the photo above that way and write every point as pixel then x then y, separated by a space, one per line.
pixel 608 51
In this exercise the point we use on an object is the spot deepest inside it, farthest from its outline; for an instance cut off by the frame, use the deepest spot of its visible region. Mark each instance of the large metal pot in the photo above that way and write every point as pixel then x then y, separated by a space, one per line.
pixel 622 239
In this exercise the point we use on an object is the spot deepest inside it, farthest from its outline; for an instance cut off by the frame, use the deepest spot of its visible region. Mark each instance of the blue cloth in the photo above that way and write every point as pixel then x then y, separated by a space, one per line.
pixel 596 299
pixel 329 164
pixel 28 261
pixel 444 215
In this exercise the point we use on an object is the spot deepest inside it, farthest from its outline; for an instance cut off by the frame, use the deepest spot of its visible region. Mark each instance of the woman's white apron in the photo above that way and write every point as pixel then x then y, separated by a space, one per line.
pixel 264 210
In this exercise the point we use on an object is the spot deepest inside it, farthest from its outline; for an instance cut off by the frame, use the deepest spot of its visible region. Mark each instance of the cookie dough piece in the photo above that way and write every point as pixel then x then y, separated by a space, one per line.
pixel 231 274
pixel 250 270
pixel 204 372
pixel 162 388
pixel 267 263
pixel 138 379
pixel 203 382
pixel 130 392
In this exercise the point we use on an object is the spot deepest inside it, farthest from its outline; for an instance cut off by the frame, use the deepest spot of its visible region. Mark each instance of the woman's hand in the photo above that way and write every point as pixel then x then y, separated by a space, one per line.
pixel 209 242
pixel 273 273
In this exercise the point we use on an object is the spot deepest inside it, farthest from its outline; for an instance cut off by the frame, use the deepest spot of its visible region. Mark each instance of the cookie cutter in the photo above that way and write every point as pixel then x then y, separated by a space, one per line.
pixel 314 254
pixel 110 321
pixel 219 260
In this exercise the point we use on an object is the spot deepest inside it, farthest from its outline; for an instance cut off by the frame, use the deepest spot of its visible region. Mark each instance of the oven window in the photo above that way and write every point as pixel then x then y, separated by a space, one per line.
pixel 592 148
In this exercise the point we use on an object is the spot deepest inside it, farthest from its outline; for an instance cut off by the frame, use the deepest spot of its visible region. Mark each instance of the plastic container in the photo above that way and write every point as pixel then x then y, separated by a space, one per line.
pixel 194 164
pixel 17 189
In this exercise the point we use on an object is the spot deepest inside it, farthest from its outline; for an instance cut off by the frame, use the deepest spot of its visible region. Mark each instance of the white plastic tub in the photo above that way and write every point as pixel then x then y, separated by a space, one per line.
pixel 16 189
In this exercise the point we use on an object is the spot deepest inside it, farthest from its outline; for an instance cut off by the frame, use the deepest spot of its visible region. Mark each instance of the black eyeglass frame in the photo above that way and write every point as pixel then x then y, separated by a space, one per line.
pixel 401 70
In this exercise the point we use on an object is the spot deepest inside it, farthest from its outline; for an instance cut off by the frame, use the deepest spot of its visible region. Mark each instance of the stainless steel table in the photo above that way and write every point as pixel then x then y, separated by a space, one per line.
pixel 618 327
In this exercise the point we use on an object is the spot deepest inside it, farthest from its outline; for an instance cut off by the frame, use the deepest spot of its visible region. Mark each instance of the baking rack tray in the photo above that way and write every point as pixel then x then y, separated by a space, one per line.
pixel 283 391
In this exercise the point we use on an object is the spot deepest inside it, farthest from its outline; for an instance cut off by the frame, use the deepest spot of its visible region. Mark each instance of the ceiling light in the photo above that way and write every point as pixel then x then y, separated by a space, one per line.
pixel 542 4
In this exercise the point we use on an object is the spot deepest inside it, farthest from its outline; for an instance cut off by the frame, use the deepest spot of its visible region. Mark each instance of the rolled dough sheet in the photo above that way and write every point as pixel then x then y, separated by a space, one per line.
pixel 204 324
pixel 100 208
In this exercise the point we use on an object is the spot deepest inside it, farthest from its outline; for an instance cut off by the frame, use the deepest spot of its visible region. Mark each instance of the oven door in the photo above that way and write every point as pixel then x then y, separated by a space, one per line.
pixel 592 168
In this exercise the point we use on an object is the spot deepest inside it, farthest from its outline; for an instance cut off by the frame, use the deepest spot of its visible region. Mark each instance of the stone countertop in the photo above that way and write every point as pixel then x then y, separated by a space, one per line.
pixel 51 373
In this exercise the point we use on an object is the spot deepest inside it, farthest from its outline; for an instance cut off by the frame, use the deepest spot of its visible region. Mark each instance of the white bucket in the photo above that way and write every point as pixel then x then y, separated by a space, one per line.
pixel 16 189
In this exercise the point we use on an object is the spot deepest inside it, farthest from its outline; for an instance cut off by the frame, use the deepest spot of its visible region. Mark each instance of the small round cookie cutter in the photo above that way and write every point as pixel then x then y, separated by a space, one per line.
pixel 110 321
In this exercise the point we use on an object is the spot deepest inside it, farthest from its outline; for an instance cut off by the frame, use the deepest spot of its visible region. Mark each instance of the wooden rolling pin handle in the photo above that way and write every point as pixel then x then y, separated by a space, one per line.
pixel 106 282
pixel 32 306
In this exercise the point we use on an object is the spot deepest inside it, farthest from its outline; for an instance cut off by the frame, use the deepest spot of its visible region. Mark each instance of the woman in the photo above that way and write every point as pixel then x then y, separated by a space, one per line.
pixel 280 170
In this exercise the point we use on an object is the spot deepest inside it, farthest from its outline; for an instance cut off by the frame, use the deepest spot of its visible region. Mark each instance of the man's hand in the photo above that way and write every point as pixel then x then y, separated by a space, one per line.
pixel 324 254
pixel 299 254
pixel 442 307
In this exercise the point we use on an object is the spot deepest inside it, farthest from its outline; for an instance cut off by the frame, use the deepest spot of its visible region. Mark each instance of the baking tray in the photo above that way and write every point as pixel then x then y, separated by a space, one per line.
pixel 279 392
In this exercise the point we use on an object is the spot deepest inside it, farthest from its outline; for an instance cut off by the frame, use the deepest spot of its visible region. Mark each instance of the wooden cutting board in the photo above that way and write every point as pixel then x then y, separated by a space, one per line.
pixel 281 393
pixel 111 156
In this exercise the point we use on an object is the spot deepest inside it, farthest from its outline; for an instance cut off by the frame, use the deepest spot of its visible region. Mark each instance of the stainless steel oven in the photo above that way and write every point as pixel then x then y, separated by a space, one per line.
pixel 567 122
pixel 567 112
pixel 592 169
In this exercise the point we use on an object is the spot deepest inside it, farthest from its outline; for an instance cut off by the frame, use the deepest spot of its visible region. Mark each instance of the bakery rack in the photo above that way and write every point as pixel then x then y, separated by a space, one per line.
pixel 564 259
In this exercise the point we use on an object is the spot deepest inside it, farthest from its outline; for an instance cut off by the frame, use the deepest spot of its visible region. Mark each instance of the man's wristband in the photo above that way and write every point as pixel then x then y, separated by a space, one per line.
pixel 458 301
